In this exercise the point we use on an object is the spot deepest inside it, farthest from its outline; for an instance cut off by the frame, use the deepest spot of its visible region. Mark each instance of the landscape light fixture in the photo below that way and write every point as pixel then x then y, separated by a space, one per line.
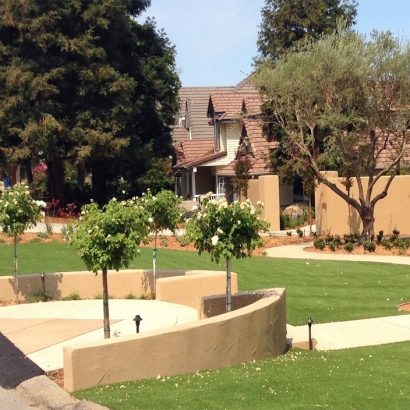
pixel 309 322
pixel 43 279
pixel 137 320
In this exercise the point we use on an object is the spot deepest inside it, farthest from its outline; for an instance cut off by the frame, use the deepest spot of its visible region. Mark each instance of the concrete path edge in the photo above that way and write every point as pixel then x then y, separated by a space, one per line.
pixel 45 392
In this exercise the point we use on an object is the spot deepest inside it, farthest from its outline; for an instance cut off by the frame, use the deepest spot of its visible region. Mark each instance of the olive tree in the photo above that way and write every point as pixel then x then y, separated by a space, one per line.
pixel 18 212
pixel 343 102
pixel 108 238
pixel 226 231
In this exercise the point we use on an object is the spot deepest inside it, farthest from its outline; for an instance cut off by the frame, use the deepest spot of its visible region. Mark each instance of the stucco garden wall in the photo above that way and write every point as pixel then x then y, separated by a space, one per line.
pixel 332 215
pixel 254 332
pixel 121 283
pixel 266 189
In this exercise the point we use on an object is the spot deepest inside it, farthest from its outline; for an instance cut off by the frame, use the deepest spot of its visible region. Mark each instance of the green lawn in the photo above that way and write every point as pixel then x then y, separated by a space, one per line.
pixel 362 378
pixel 324 290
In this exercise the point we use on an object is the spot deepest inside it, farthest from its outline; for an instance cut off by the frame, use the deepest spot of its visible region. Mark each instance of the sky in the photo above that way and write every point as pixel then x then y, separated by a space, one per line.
pixel 216 39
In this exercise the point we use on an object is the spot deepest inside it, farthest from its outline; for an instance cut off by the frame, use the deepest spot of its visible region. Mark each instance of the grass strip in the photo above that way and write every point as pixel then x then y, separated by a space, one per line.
pixel 362 378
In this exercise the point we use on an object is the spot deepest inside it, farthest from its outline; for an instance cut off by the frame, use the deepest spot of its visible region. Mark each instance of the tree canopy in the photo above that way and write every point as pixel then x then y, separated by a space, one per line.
pixel 83 81
pixel 344 101
pixel 285 23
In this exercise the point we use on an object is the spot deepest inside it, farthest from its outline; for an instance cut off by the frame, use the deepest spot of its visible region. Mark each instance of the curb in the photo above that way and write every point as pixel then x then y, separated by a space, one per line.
pixel 45 392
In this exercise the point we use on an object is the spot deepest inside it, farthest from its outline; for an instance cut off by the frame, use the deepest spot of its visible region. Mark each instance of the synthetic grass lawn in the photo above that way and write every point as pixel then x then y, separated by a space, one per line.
pixel 324 290
pixel 362 378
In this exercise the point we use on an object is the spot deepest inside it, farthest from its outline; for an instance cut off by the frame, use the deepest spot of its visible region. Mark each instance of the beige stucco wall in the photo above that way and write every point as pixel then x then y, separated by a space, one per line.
pixel 266 189
pixel 254 332
pixel 187 290
pixel 332 215
pixel 136 281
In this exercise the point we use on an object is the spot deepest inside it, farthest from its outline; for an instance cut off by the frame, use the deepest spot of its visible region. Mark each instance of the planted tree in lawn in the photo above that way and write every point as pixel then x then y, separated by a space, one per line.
pixel 18 212
pixel 165 212
pixel 343 102
pixel 108 238
pixel 226 231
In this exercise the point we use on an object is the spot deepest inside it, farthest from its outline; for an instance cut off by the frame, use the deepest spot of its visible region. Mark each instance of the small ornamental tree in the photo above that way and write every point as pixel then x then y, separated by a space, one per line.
pixel 226 231
pixel 165 212
pixel 18 212
pixel 108 238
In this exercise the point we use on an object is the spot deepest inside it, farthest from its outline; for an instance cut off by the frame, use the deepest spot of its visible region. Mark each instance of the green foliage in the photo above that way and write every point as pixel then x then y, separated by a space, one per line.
pixel 99 295
pixel 67 231
pixel 164 209
pixel 386 244
pixel 157 177
pixel 333 245
pixel 332 115
pixel 183 240
pixel 300 233
pixel 369 246
pixel 43 235
pixel 108 238
pixel 240 181
pixel 39 297
pixel 18 211
pixel 226 230
pixel 72 296
pixel 348 246
pixel 88 82
pixel 130 296
pixel 287 23
pixel 319 243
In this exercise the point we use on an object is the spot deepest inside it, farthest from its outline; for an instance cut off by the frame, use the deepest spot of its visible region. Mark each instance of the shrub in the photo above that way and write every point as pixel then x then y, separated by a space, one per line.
pixel 68 230
pixel 300 233
pixel 386 244
pixel 43 235
pixel 379 236
pixel 49 228
pixel 38 239
pixel 369 246
pixel 38 297
pixel 348 246
pixel 401 243
pixel 130 296
pixel 2 240
pixel 99 295
pixel 337 239
pixel 164 243
pixel 396 232
pixel 319 243
pixel 183 240
pixel 72 296
pixel 328 238
pixel 333 245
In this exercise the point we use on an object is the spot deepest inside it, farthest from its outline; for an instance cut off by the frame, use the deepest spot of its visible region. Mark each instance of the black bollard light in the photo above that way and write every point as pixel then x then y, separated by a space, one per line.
pixel 137 320
pixel 309 322
pixel 43 279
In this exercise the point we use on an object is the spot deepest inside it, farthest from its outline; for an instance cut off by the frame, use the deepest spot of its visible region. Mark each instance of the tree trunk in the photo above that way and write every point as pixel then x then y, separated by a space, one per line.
pixel 367 217
pixel 105 305
pixel 154 260
pixel 16 280
pixel 228 285
pixel 99 183
pixel 27 169
pixel 55 180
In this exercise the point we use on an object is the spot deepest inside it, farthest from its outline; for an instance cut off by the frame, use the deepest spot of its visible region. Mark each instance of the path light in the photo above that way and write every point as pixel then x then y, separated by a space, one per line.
pixel 137 320
pixel 43 279
pixel 309 322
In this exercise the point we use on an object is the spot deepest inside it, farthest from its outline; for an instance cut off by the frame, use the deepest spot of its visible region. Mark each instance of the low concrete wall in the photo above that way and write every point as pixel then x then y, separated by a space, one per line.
pixel 187 290
pixel 216 305
pixel 136 281
pixel 254 332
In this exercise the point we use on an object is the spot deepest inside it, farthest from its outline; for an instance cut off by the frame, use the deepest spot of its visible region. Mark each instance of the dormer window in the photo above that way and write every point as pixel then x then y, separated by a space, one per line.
pixel 217 132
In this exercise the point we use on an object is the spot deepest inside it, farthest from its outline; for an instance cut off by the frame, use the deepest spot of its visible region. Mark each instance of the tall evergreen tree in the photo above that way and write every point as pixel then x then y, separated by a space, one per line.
pixel 82 80
pixel 287 22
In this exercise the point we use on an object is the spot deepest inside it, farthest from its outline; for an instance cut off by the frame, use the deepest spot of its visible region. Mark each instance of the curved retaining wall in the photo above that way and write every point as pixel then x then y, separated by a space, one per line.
pixel 253 332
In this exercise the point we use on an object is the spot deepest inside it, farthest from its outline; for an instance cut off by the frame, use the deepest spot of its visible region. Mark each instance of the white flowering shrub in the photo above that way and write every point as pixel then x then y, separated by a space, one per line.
pixel 108 238
pixel 226 230
pixel 18 212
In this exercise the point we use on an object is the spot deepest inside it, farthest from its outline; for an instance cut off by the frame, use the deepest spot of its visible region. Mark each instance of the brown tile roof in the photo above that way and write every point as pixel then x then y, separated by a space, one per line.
pixel 195 152
pixel 194 103
pixel 245 86
pixel 231 105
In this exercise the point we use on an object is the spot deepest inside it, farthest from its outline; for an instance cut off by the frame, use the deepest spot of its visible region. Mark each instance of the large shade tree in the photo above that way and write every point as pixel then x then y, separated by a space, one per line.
pixel 287 23
pixel 85 82
pixel 344 101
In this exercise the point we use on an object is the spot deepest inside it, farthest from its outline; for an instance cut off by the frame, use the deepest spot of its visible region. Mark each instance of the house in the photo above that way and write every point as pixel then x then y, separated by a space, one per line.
pixel 217 128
